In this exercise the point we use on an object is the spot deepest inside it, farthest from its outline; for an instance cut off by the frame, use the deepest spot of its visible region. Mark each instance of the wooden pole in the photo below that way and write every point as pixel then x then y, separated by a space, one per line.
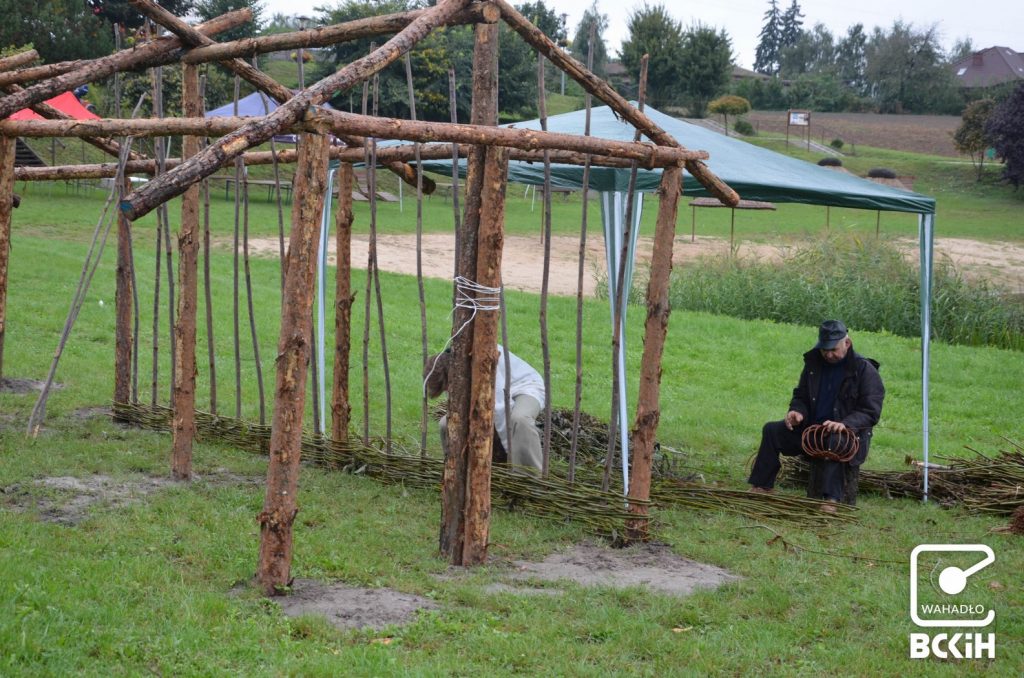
pixel 490 241
pixel 124 308
pixel 648 410
pixel 7 151
pixel 603 91
pixel 254 133
pixel 183 429
pixel 293 352
pixel 454 479
pixel 160 51
pixel 341 404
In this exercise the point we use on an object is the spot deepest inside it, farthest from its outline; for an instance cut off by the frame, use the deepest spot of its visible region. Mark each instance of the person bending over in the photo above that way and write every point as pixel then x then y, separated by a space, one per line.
pixel 839 389
pixel 526 386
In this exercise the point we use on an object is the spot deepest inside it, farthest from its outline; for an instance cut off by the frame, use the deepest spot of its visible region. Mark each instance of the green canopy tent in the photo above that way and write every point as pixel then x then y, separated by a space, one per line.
pixel 755 173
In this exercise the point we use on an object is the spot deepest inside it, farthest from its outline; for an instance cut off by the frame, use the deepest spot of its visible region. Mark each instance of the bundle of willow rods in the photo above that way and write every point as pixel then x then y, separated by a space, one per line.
pixel 980 483
pixel 603 513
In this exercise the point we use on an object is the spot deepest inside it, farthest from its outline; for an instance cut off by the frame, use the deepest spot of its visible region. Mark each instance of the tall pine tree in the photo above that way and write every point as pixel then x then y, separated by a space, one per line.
pixel 792 26
pixel 766 58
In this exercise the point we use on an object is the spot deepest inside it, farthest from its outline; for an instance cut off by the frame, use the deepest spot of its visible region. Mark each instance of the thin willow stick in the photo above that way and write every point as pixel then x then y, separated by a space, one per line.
pixel 545 347
pixel 239 178
pixel 277 186
pixel 424 408
pixel 252 309
pixel 574 441
pixel 371 179
pixel 453 109
pixel 207 288
pixel 366 296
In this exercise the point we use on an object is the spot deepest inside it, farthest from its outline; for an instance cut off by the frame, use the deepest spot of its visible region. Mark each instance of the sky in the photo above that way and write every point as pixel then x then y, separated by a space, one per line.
pixel 997 22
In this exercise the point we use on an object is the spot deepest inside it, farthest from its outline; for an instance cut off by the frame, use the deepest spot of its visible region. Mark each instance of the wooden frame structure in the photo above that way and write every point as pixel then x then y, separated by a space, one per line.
pixel 466 481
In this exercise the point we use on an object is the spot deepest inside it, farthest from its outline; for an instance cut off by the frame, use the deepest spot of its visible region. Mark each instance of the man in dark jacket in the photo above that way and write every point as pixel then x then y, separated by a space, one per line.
pixel 838 389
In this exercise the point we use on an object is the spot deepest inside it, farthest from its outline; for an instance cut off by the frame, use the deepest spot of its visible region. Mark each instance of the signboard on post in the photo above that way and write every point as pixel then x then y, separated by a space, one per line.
pixel 799 119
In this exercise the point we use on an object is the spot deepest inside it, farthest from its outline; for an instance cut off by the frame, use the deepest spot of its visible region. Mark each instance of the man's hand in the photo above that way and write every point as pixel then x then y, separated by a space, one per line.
pixel 793 418
pixel 834 426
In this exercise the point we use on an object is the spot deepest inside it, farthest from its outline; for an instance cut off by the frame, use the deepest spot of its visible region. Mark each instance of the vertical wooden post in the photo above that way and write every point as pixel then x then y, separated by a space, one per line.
pixel 490 241
pixel 453 482
pixel 183 428
pixel 7 147
pixel 293 351
pixel 341 405
pixel 648 410
pixel 124 306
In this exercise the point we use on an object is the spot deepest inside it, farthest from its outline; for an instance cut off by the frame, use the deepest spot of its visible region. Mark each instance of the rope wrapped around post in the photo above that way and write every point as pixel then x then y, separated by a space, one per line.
pixel 820 443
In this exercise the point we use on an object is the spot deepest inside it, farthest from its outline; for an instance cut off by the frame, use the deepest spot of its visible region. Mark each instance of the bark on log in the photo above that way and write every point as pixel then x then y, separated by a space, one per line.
pixel 341 404
pixel 293 353
pixel 124 310
pixel 7 151
pixel 648 410
pixel 349 155
pixel 603 91
pixel 173 183
pixel 157 52
pixel 647 155
pixel 484 111
pixel 43 72
pixel 18 60
pixel 485 359
pixel 183 428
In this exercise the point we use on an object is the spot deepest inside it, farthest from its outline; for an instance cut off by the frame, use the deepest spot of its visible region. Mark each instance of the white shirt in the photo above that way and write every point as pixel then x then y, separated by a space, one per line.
pixel 524 381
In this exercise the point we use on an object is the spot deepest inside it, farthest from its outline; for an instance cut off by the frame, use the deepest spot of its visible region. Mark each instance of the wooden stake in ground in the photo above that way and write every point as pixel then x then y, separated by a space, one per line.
pixel 124 307
pixel 7 146
pixel 453 487
pixel 341 404
pixel 490 240
pixel 648 410
pixel 183 428
pixel 293 352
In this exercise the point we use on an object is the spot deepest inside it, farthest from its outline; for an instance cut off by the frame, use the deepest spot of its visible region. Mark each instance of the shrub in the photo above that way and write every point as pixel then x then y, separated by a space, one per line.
pixel 881 173
pixel 830 162
pixel 837 144
pixel 869 284
pixel 744 127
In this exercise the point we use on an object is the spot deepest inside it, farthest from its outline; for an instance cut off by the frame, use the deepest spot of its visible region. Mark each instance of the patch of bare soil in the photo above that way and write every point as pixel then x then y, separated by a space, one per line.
pixel 652 566
pixel 67 500
pixel 349 607
pixel 523 267
pixel 22 386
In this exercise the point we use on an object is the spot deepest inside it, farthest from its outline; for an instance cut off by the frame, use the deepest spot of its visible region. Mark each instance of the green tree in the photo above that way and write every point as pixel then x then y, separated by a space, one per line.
pixel 581 41
pixel 766 57
pixel 850 57
pixel 1005 129
pixel 60 30
pixel 653 31
pixel 906 71
pixel 970 135
pixel 727 105
pixel 813 52
pixel 122 13
pixel 705 63
pixel 791 26
pixel 208 9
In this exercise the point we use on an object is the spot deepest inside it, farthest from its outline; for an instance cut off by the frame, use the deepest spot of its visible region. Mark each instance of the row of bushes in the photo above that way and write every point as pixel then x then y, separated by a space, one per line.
pixel 869 284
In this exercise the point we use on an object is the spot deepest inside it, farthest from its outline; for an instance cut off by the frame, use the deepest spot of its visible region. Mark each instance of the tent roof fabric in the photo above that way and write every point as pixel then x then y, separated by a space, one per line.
pixel 755 173
pixel 65 103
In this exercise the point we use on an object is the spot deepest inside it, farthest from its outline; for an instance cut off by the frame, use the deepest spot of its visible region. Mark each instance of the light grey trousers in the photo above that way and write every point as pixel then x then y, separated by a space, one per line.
pixel 526 447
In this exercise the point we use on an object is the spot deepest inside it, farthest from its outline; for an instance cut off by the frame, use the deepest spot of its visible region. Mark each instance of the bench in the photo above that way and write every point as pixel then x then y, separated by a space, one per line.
pixel 270 184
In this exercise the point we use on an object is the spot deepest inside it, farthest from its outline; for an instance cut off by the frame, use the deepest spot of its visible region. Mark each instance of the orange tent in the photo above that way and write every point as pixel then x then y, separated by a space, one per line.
pixel 66 103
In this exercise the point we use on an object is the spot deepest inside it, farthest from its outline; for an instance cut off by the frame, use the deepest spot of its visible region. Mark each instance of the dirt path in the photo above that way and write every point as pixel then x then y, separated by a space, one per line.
pixel 522 264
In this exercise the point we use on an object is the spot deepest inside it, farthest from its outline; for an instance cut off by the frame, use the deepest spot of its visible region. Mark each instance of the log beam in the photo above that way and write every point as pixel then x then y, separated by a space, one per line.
pixel 341 404
pixel 648 410
pixel 293 353
pixel 18 60
pixel 7 152
pixel 603 91
pixel 157 52
pixel 647 155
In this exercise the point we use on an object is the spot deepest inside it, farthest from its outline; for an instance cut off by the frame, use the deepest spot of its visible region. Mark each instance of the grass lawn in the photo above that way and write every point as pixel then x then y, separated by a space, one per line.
pixel 147 587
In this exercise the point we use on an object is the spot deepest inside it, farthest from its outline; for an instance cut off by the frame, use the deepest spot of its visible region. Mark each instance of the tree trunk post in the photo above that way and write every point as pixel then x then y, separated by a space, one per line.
pixel 7 148
pixel 453 485
pixel 490 241
pixel 124 308
pixel 183 429
pixel 293 352
pixel 341 404
pixel 648 410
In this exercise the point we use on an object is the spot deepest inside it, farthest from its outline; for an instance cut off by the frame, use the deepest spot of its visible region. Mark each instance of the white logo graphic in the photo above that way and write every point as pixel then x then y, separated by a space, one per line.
pixel 952 581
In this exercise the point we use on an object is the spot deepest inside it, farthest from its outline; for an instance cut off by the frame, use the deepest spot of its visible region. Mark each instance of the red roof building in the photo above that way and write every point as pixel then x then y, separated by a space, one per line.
pixel 989 67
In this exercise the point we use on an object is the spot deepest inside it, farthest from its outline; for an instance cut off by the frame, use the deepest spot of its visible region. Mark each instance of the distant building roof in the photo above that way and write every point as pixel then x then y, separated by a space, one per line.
pixel 740 73
pixel 988 67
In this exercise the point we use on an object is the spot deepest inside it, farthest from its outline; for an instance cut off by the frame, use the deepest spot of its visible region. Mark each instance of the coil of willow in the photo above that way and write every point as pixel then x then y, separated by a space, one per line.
pixel 820 443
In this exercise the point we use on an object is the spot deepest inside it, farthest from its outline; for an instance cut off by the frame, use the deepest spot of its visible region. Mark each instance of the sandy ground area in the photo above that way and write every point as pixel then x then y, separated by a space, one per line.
pixel 523 269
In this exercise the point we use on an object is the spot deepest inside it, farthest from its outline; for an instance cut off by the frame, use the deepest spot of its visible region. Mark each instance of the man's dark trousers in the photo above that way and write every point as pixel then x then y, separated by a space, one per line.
pixel 776 439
